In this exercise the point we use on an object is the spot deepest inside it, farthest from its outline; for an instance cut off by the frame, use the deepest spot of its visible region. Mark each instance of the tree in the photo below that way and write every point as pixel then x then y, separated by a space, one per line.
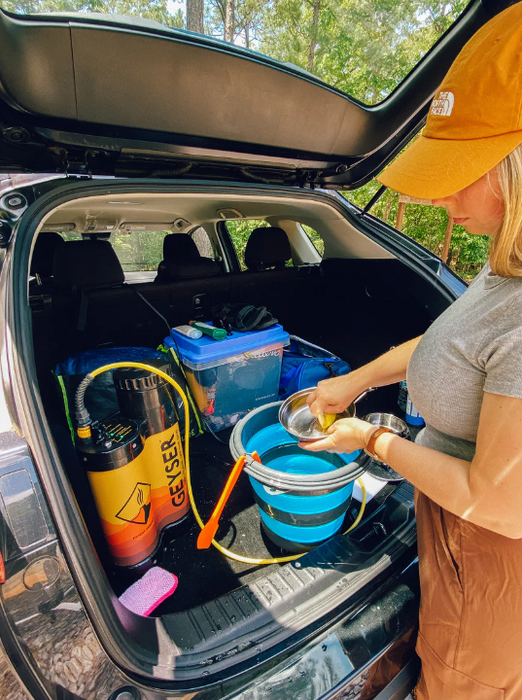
pixel 195 15
pixel 229 21
pixel 148 9
pixel 313 35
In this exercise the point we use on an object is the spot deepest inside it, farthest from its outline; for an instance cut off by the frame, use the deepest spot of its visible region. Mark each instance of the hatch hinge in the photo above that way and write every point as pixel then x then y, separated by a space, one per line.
pixel 76 165
pixel 77 169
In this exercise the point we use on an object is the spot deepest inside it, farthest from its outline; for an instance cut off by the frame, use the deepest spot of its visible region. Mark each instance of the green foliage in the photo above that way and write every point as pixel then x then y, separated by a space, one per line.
pixel 427 225
pixel 363 47
pixel 240 231
pixel 139 250
pixel 315 238
pixel 157 10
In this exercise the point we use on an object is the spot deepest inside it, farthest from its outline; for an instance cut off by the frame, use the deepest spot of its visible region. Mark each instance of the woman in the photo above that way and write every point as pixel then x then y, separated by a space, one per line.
pixel 465 378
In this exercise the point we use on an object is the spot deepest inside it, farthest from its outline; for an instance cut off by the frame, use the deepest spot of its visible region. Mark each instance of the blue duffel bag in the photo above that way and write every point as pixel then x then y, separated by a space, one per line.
pixel 304 365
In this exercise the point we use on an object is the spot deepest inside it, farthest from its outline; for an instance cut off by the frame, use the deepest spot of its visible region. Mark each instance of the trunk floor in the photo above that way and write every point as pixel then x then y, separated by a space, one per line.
pixel 205 574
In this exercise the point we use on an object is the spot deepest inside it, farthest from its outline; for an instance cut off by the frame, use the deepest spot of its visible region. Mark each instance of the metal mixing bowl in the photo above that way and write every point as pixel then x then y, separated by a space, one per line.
pixel 386 420
pixel 296 418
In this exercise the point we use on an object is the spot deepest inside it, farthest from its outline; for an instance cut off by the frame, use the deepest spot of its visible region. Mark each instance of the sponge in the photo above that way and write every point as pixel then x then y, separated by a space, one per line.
pixel 149 591
pixel 326 420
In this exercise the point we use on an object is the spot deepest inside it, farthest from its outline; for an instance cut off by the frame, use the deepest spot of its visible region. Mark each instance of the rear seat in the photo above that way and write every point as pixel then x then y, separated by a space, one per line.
pixel 93 307
pixel 195 283
pixel 285 291
pixel 182 260
pixel 42 262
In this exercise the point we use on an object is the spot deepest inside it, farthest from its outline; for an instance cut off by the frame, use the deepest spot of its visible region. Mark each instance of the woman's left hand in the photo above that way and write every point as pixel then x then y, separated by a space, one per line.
pixel 344 436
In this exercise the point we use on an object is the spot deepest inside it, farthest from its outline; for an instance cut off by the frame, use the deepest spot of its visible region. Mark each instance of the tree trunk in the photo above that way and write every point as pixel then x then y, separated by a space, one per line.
pixel 229 21
pixel 313 35
pixel 195 16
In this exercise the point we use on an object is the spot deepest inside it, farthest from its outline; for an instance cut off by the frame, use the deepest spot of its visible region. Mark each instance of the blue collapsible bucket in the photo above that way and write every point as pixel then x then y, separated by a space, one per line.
pixel 296 520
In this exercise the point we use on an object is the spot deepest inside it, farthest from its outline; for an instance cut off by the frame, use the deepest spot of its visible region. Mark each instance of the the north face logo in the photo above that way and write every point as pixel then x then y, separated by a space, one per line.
pixel 442 105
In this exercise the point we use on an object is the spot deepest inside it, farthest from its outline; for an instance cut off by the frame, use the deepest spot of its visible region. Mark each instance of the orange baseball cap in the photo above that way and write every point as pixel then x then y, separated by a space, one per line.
pixel 475 119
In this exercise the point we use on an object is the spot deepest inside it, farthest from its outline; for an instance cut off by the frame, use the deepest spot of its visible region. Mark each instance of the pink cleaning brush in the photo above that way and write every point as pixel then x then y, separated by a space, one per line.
pixel 153 588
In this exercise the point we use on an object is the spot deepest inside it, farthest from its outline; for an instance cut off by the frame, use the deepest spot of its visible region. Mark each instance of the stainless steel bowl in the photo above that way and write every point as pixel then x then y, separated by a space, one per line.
pixel 296 418
pixel 400 428
pixel 388 420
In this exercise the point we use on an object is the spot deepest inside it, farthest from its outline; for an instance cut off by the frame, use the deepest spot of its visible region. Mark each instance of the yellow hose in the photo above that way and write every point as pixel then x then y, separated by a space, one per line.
pixel 226 552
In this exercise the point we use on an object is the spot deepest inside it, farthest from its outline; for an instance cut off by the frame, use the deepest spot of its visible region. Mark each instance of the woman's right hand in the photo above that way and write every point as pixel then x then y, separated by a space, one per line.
pixel 335 394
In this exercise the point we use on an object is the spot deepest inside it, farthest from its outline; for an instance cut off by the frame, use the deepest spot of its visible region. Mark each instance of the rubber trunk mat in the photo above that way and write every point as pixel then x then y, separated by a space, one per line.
pixel 206 574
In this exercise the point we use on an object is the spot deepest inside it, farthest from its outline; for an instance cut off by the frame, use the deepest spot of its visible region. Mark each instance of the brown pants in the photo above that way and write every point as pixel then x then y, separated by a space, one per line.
pixel 470 638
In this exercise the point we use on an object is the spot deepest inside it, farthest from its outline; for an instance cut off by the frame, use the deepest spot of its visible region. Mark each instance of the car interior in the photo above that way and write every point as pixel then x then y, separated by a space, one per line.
pixel 356 300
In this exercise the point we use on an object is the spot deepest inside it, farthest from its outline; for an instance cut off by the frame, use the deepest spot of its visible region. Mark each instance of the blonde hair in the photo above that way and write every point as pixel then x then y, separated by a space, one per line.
pixel 505 256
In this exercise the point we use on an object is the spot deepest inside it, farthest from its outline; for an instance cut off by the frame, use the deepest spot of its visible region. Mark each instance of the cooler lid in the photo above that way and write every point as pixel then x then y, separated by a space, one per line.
pixel 205 349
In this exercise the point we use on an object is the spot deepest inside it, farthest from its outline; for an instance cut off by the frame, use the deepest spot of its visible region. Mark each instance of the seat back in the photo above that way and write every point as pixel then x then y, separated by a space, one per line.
pixel 92 305
pixel 45 248
pixel 182 260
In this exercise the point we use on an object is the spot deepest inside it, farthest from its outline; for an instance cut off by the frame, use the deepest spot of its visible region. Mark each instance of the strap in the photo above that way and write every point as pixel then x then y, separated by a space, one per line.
pixel 84 307
pixel 287 378
pixel 61 384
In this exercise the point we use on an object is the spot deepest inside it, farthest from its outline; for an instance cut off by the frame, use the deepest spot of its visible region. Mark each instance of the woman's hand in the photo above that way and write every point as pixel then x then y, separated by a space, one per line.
pixel 344 436
pixel 334 395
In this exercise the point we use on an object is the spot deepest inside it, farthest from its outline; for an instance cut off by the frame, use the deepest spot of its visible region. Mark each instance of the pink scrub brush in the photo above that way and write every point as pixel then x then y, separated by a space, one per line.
pixel 153 588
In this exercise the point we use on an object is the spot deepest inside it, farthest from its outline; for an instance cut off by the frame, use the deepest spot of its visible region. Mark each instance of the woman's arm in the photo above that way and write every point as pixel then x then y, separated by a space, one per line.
pixel 486 491
pixel 334 395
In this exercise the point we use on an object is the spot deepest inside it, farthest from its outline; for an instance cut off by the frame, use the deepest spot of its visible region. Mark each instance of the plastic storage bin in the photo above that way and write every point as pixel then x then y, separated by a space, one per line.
pixel 230 377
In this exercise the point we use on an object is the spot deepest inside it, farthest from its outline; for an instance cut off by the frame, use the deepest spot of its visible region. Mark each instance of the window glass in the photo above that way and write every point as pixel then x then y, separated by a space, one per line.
pixel 240 231
pixel 428 225
pixel 362 47
pixel 315 239
pixel 136 250
pixel 139 250
pixel 203 243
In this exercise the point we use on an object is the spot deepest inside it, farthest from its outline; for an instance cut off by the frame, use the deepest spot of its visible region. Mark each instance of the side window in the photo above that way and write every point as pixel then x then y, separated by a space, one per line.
pixel 464 252
pixel 240 231
pixel 315 239
pixel 139 250
pixel 203 243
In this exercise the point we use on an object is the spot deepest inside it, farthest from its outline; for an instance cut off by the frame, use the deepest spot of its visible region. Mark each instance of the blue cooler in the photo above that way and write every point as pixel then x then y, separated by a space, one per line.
pixel 230 377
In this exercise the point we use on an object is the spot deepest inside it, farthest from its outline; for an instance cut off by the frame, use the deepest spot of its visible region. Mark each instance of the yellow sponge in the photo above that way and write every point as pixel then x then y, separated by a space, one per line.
pixel 326 420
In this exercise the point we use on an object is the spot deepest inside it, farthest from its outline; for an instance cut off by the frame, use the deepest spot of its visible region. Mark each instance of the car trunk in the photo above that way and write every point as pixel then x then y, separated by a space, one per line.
pixel 225 612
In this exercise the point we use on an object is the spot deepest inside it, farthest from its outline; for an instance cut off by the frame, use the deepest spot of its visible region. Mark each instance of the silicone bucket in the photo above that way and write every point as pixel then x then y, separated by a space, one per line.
pixel 294 520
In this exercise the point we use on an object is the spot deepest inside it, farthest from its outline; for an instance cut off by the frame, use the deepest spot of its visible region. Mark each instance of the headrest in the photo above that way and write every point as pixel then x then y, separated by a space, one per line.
pixel 43 254
pixel 267 247
pixel 187 269
pixel 87 264
pixel 179 245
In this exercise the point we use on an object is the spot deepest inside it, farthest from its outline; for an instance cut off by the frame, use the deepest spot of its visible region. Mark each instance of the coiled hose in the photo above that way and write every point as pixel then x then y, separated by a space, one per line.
pixel 84 430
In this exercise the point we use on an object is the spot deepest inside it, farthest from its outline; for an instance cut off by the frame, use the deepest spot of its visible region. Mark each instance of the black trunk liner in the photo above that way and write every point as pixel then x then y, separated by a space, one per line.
pixel 206 574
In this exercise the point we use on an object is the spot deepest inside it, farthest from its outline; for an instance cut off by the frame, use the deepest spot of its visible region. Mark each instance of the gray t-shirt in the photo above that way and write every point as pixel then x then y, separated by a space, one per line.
pixel 474 346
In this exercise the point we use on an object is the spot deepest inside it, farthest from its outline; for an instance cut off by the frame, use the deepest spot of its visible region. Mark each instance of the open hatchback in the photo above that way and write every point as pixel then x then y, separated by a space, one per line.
pixel 117 134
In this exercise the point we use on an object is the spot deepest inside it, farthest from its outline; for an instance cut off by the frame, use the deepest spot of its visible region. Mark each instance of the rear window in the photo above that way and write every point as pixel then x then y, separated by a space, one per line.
pixel 363 48
pixel 142 251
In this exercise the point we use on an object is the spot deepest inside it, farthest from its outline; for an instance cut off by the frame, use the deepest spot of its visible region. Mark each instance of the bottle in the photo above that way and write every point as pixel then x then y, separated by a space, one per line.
pixel 189 331
pixel 413 417
pixel 402 397
pixel 404 402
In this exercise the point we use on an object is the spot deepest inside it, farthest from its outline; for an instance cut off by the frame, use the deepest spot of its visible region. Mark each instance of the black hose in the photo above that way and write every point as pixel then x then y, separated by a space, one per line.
pixel 81 413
